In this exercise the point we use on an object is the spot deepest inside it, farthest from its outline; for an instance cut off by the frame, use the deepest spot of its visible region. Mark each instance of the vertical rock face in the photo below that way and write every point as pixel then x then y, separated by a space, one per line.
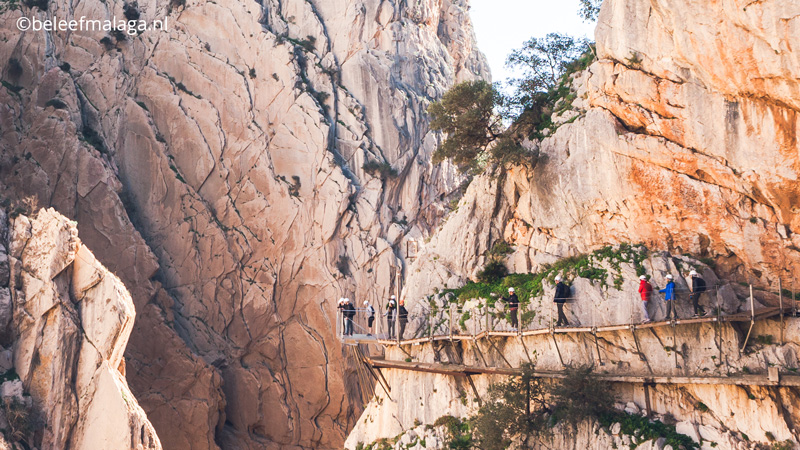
pixel 238 171
pixel 682 136
pixel 71 322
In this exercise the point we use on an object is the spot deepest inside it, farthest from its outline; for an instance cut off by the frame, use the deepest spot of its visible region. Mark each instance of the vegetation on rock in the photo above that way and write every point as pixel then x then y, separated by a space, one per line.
pixel 529 285
pixel 472 113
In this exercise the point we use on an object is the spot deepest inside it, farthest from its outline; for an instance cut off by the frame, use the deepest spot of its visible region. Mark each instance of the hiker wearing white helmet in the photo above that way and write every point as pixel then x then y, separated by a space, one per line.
pixel 340 307
pixel 669 296
pixel 698 287
pixel 370 317
pixel 349 312
pixel 645 290
pixel 390 315
pixel 562 294
pixel 513 306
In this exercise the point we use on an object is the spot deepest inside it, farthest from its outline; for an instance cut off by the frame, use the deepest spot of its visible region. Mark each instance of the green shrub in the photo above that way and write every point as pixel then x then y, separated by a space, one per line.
pixel 383 169
pixel 493 272
pixel 579 397
pixel 459 434
pixel 643 429
pixel 516 406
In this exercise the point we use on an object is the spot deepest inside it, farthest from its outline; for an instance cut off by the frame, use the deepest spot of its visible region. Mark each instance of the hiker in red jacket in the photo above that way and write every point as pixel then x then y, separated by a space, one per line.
pixel 646 290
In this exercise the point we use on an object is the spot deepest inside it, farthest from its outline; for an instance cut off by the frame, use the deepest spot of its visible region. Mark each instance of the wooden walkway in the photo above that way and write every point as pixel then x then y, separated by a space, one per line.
pixel 462 370
pixel 760 314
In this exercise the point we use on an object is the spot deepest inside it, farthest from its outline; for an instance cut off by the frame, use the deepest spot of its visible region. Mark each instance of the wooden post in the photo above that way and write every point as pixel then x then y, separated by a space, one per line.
pixel 451 320
pixel 647 400
pixel 486 313
pixel 594 334
pixel 780 305
pixel 752 319
pixel 474 323
pixel 431 323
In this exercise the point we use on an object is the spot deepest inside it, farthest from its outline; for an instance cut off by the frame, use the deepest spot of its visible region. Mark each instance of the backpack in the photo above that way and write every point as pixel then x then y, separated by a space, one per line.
pixel 701 284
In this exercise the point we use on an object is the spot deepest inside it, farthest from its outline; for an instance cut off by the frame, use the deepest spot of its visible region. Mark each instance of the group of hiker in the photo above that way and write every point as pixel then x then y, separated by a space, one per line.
pixel 698 287
pixel 397 313
pixel 562 294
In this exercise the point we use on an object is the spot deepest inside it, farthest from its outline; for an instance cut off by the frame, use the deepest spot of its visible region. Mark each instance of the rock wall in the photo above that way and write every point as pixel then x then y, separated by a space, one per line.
pixel 682 136
pixel 69 325
pixel 238 171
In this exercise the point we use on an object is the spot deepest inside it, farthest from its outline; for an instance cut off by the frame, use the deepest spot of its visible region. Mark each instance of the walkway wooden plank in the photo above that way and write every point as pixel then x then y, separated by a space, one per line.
pixel 462 370
pixel 745 316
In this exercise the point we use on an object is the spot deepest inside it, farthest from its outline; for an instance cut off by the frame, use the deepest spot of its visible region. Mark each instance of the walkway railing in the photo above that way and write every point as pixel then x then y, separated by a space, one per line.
pixel 477 319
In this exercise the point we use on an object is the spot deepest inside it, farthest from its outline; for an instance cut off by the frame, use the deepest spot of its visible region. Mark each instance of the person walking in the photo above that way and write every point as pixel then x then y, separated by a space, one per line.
pixel 513 306
pixel 340 307
pixel 349 313
pixel 370 317
pixel 391 308
pixel 698 287
pixel 402 319
pixel 645 290
pixel 669 296
pixel 562 294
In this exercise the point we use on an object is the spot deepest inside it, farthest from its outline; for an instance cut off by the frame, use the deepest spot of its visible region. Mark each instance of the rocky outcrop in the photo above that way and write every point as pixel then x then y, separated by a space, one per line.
pixel 71 322
pixel 681 136
pixel 238 171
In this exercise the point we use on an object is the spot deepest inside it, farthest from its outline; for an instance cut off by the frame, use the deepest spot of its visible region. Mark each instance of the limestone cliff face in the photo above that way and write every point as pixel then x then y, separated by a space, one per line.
pixel 238 171
pixel 682 136
pixel 69 324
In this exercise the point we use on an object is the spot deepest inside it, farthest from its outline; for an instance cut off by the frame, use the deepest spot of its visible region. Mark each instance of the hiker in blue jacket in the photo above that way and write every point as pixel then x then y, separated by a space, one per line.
pixel 669 296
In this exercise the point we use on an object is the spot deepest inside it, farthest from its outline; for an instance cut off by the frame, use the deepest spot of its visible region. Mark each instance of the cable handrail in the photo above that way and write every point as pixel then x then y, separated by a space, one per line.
pixel 480 319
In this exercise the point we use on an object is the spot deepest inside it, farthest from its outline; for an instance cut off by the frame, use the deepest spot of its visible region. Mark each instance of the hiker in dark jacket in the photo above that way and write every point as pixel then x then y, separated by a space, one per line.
pixel 645 290
pixel 562 294
pixel 349 313
pixel 391 308
pixel 402 319
pixel 513 306
pixel 698 287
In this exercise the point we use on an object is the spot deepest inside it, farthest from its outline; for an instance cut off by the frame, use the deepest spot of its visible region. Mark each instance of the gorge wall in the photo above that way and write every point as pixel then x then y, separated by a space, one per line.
pixel 681 136
pixel 64 323
pixel 237 171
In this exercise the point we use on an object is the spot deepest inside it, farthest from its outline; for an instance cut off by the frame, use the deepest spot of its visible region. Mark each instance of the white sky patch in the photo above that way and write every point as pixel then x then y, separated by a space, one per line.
pixel 504 25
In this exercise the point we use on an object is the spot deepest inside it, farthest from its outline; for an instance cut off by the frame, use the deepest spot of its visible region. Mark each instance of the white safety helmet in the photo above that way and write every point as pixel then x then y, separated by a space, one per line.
pixel 393 297
pixel 558 278
pixel 366 303
pixel 341 300
pixel 511 289
pixel 693 273
pixel 669 276
pixel 347 300
pixel 643 277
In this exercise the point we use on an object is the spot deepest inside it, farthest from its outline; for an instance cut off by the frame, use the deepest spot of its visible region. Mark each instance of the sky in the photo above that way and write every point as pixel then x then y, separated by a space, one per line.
pixel 504 25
